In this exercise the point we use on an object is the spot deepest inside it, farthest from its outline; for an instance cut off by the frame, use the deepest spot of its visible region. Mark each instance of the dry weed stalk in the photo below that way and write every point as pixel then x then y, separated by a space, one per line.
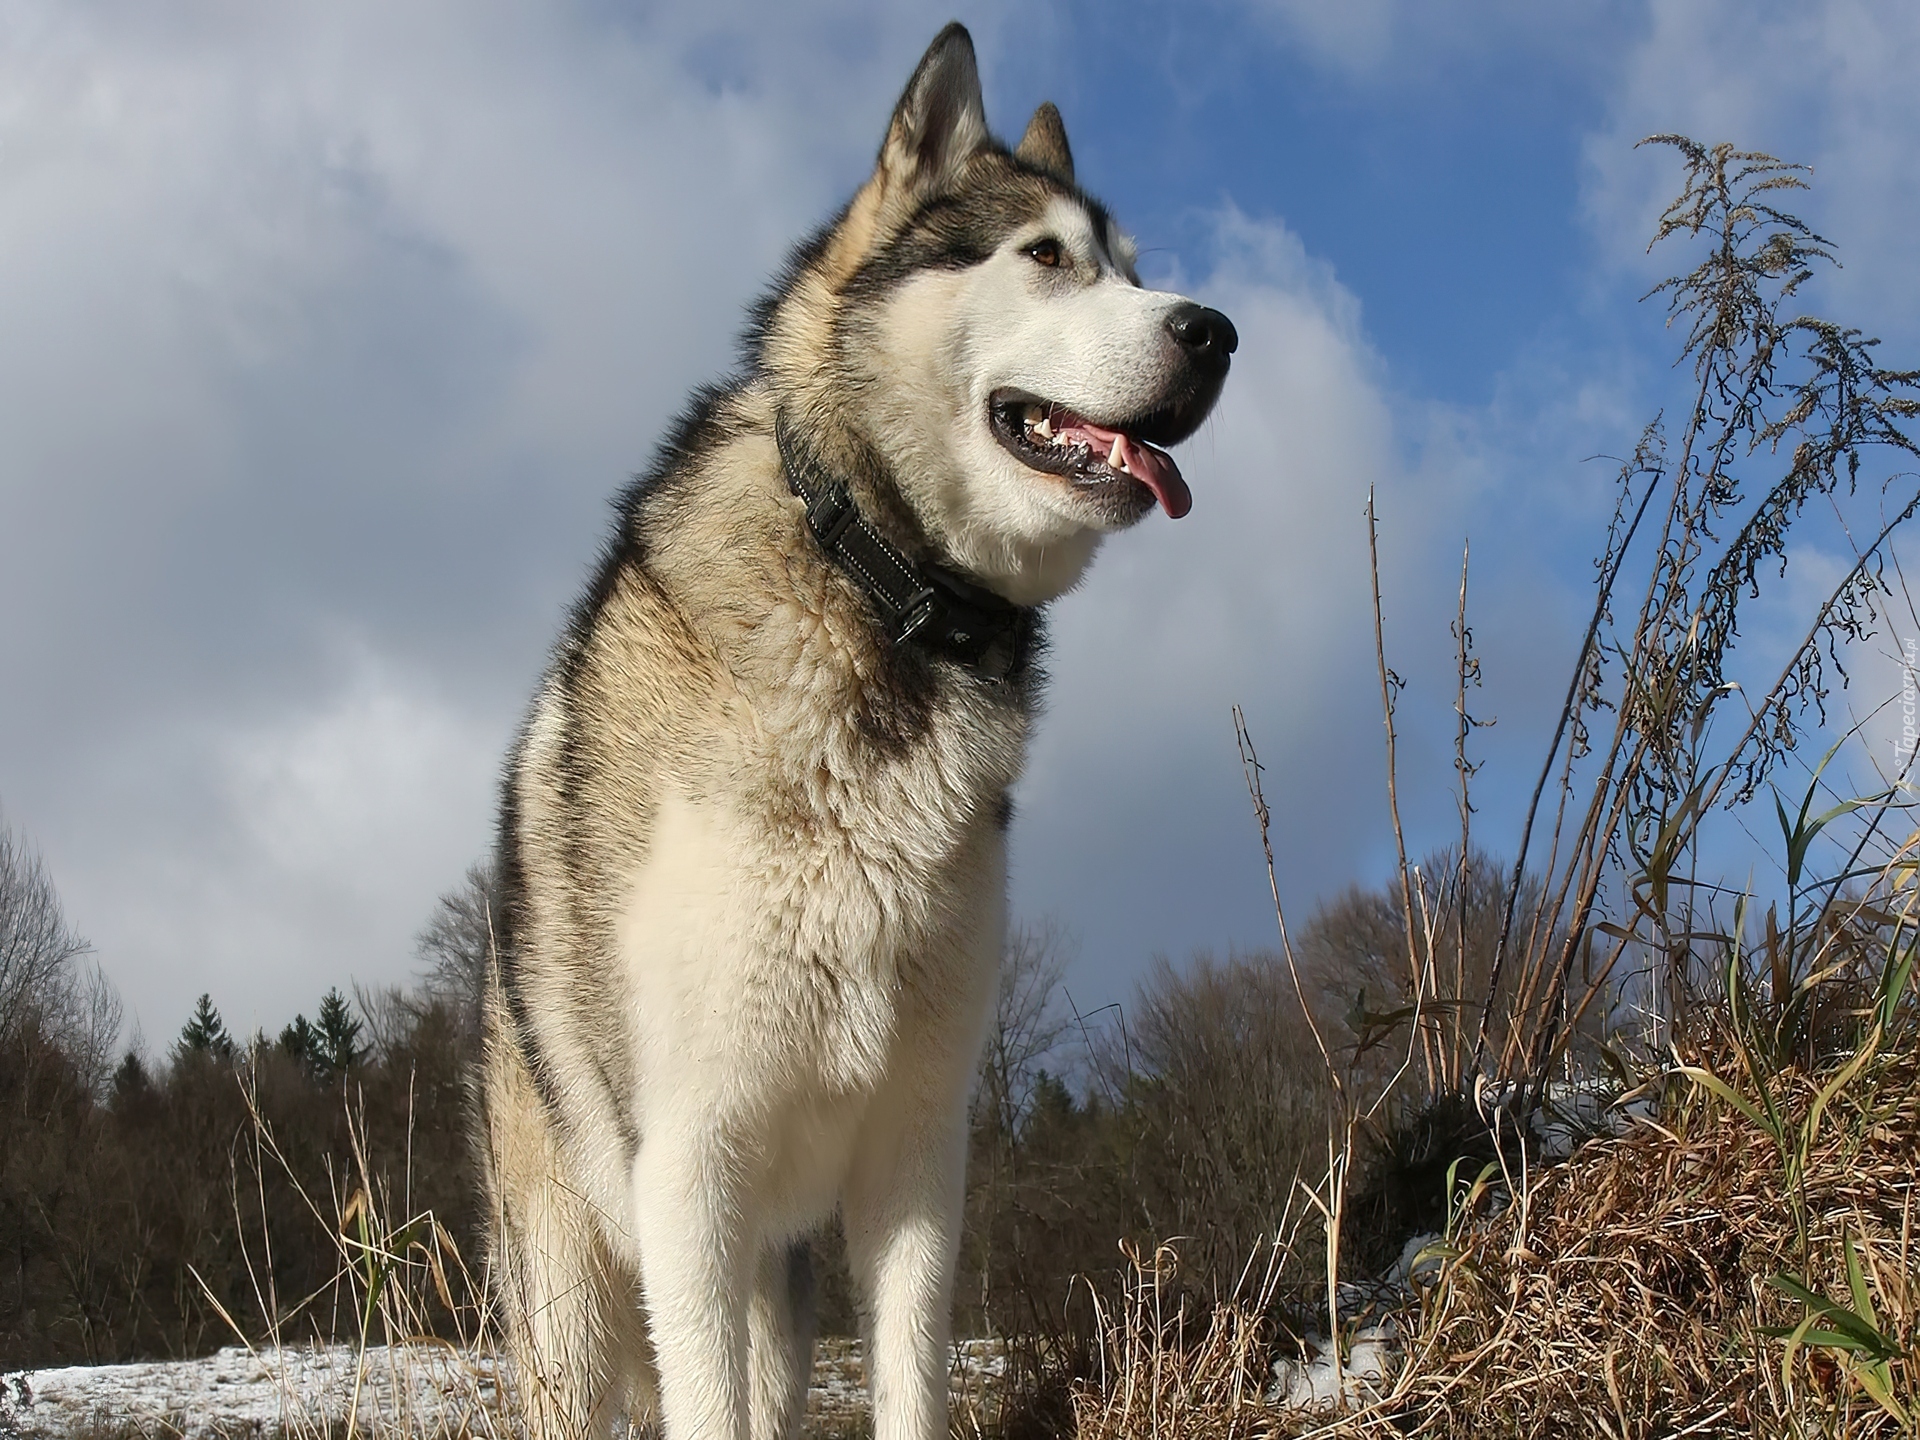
pixel 1165 1363
pixel 1351 1109
pixel 1765 383
pixel 403 1284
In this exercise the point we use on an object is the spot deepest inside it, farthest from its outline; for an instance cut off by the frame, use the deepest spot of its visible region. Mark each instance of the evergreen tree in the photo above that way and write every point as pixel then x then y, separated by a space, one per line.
pixel 130 1082
pixel 1051 1110
pixel 339 1035
pixel 205 1033
pixel 301 1041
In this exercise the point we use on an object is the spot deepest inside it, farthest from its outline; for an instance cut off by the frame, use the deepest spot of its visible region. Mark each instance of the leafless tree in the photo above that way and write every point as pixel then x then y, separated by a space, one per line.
pixel 1029 1022
pixel 1364 961
pixel 1227 1074
pixel 457 943
pixel 47 993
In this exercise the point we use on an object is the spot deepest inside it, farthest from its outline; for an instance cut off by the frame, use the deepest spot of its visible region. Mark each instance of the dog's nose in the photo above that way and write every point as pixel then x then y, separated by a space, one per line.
pixel 1206 335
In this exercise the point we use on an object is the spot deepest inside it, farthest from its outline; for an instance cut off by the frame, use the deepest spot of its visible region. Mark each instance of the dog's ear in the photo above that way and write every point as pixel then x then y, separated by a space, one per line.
pixel 1044 146
pixel 940 120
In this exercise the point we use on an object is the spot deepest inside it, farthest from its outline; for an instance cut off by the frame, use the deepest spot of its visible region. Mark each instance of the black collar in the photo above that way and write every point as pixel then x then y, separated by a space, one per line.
pixel 925 605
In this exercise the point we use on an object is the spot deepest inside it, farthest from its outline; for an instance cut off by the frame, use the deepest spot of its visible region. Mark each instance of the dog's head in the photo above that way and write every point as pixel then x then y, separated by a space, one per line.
pixel 973 326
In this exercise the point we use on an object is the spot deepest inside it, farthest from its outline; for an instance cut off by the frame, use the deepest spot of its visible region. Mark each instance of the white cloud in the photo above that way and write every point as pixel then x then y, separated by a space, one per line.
pixel 1401 42
pixel 266 857
pixel 1351 36
pixel 1828 83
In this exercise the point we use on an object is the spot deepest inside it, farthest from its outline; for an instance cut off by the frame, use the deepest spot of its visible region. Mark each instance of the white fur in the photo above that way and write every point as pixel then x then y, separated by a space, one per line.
pixel 762 1103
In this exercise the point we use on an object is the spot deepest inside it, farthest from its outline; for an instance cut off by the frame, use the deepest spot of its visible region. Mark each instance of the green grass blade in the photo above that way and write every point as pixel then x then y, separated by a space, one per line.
pixel 1707 1080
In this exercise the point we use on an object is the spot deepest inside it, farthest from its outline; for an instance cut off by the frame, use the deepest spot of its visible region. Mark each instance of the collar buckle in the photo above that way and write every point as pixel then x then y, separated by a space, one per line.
pixel 919 611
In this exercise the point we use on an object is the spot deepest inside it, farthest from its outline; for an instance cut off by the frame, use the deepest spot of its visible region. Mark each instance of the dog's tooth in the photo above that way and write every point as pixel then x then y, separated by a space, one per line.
pixel 1116 457
pixel 1041 427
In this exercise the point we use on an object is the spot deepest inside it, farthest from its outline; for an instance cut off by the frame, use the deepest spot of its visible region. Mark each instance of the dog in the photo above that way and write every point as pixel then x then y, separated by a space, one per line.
pixel 752 849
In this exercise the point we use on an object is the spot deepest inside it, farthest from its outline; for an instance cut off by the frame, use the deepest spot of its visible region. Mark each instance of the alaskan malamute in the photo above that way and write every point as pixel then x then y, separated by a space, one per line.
pixel 753 842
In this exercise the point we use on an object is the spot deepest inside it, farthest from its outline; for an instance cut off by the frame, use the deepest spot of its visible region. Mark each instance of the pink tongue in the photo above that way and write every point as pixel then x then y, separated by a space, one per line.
pixel 1152 468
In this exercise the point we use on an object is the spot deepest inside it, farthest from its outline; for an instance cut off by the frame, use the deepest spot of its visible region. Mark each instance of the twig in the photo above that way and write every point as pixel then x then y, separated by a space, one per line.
pixel 1388 683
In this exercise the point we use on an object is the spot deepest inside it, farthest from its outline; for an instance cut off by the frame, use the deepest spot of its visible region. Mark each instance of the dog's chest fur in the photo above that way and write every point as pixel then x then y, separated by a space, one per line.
pixel 822 882
pixel 786 843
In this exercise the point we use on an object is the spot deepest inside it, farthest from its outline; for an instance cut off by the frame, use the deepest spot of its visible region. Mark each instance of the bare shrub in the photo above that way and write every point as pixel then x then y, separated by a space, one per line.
pixel 1229 1104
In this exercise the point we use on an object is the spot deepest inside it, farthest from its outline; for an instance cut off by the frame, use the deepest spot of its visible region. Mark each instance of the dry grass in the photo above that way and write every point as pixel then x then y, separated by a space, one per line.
pixel 1631 1293
pixel 1167 1369
pixel 417 1320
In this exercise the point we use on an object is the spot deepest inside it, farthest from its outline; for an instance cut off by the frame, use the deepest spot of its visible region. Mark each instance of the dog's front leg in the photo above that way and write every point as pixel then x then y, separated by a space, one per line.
pixel 693 1273
pixel 902 1210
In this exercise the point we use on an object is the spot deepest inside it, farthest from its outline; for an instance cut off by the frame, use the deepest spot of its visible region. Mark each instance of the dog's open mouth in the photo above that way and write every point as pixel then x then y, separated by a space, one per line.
pixel 1049 437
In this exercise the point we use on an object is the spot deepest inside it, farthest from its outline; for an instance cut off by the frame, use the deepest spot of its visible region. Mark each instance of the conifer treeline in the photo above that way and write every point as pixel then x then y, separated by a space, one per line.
pixel 120 1211
pixel 140 1199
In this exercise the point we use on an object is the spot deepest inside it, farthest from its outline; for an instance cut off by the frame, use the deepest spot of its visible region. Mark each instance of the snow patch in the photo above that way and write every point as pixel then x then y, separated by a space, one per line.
pixel 420 1389
pixel 423 1390
pixel 1320 1380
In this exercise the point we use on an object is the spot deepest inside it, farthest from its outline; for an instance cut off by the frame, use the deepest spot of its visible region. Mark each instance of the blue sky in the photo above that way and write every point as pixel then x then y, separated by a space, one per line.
pixel 326 330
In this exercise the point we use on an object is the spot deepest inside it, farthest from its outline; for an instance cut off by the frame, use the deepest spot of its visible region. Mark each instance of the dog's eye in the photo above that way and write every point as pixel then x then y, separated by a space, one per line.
pixel 1045 252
